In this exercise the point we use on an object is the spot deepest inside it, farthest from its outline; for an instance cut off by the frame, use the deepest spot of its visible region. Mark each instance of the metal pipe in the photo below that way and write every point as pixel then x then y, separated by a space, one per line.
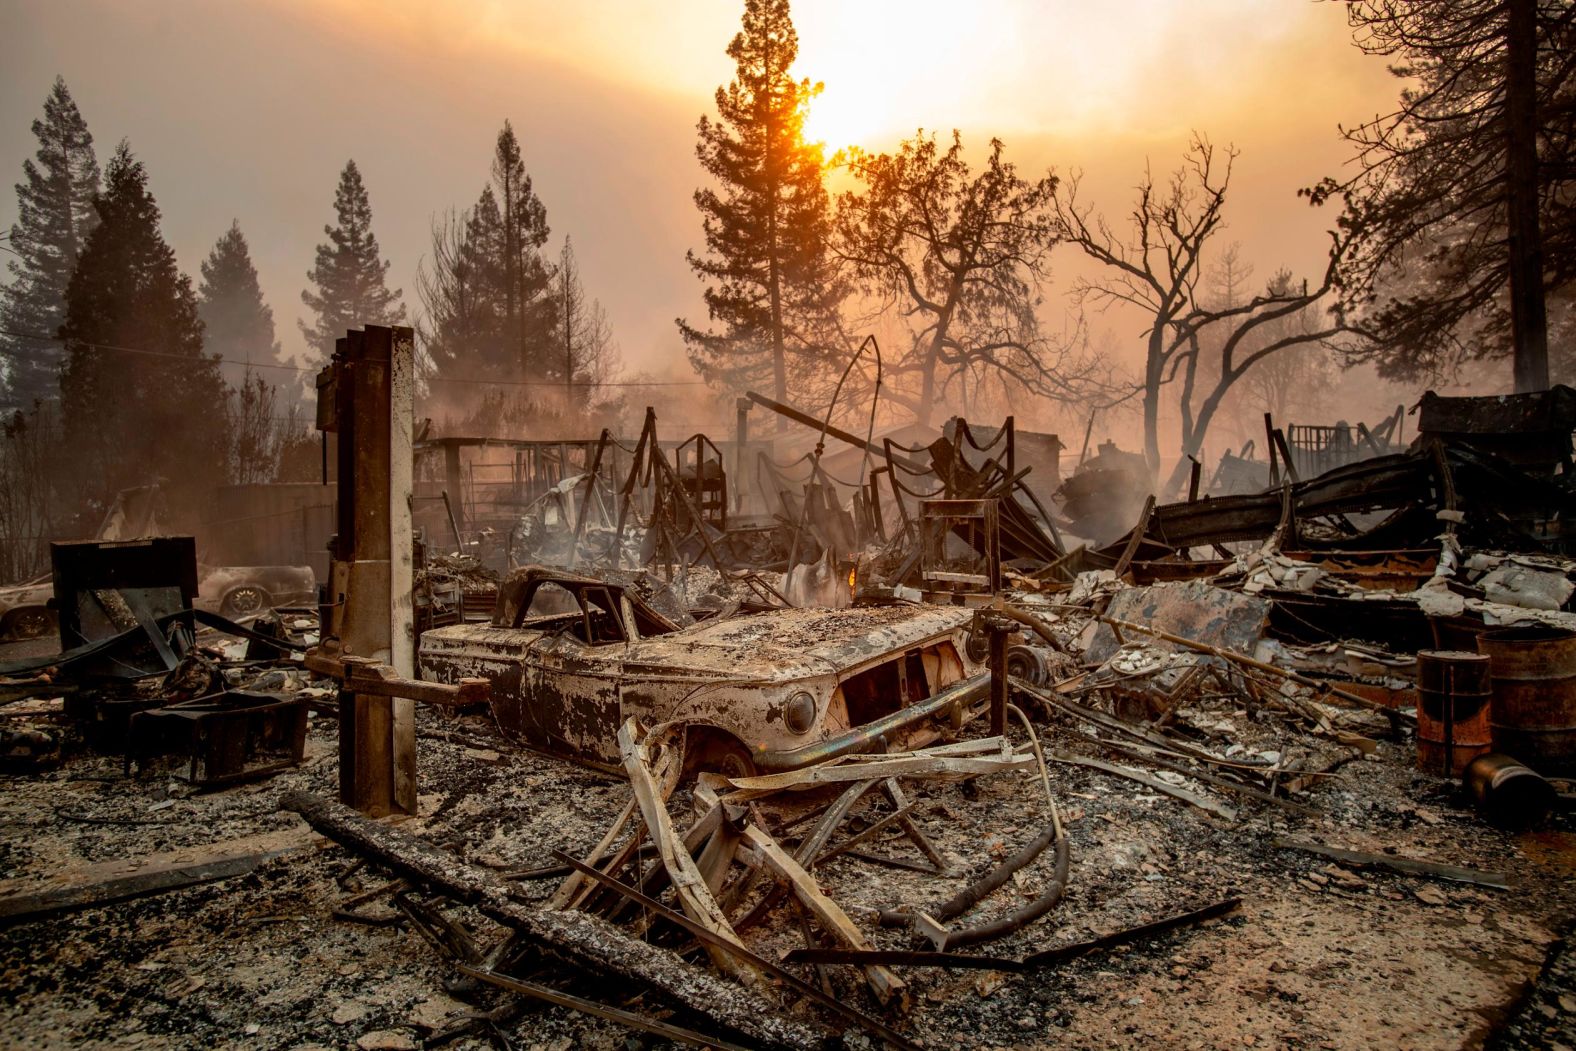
pixel 963 693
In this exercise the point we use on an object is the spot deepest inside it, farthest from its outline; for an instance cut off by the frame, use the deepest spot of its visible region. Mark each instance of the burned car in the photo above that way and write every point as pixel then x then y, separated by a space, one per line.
pixel 24 609
pixel 572 657
pixel 240 591
pixel 231 591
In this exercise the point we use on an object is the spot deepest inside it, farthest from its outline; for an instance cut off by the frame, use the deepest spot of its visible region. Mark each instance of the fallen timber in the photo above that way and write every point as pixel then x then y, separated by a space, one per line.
pixel 1399 865
pixel 585 941
pixel 921 958
pixel 788 978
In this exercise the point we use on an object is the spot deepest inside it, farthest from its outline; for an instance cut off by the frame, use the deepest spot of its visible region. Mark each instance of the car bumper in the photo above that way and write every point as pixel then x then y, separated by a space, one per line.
pixel 874 736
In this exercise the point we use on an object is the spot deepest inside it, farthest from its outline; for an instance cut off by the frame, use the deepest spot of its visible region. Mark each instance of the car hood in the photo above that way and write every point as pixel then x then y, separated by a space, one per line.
pixel 26 595
pixel 793 643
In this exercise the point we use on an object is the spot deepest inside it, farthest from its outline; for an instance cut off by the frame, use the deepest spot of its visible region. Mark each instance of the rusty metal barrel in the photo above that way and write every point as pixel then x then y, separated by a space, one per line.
pixel 1453 692
pixel 1534 710
pixel 1507 793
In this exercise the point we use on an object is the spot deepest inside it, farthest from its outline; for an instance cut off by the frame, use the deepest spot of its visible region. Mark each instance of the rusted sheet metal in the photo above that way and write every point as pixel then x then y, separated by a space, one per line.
pixel 1194 610
pixel 775 682
pixel 1531 429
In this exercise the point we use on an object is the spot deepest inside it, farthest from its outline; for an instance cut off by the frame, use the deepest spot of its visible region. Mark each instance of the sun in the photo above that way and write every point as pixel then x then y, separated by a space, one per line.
pixel 841 118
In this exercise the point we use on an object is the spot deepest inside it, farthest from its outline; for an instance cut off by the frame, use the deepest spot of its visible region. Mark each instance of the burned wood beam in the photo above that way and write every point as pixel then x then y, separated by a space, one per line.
pixel 1204 803
pixel 894 792
pixel 591 1007
pixel 833 432
pixel 1404 866
pixel 21 908
pixel 788 978
pixel 888 987
pixel 584 941
pixel 860 837
pixel 695 896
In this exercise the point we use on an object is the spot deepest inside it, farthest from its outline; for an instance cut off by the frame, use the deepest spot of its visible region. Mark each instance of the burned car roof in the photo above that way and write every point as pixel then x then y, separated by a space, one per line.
pixel 517 590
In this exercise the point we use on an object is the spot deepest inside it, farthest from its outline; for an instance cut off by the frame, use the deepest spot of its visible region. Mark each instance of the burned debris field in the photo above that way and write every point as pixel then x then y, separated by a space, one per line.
pixel 790 525
pixel 959 797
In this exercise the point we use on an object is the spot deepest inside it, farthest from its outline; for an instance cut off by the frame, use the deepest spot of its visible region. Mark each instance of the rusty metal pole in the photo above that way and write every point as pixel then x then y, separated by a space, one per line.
pixel 741 441
pixel 996 628
pixel 372 383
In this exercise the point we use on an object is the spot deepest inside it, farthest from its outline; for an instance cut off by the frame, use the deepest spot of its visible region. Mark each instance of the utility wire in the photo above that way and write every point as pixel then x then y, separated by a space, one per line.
pixel 315 369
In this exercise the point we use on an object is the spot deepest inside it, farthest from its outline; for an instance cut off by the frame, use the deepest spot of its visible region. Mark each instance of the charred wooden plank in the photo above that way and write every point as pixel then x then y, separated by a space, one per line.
pixel 695 896
pixel 888 987
pixel 591 1007
pixel 1404 866
pixel 788 978
pixel 584 941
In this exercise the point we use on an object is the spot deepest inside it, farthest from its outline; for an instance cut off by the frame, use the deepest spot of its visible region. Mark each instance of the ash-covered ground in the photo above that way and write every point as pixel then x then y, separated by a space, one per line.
pixel 1317 956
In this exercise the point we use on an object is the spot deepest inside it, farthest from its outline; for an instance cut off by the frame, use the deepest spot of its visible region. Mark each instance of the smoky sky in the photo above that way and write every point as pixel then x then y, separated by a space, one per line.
pixel 248 111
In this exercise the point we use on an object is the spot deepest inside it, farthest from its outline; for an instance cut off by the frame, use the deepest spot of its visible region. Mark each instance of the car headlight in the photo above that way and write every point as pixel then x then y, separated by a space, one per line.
pixel 800 712
pixel 977 646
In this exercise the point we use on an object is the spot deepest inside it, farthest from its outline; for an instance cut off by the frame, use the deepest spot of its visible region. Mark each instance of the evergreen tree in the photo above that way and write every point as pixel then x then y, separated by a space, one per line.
pixel 139 398
pixel 238 326
pixel 528 314
pixel 54 215
pixel 1462 199
pixel 461 290
pixel 487 294
pixel 586 353
pixel 772 293
pixel 349 277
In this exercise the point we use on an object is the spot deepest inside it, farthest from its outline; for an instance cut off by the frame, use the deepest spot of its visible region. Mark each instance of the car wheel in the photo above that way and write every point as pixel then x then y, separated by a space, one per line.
pixel 243 601
pixel 719 753
pixel 31 622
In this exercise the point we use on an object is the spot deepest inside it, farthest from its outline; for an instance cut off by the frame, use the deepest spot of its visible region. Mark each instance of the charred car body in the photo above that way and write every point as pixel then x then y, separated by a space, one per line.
pixel 571 657
pixel 230 591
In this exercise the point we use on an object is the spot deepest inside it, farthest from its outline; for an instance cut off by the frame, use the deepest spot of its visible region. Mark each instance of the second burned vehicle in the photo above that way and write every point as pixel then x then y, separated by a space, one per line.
pixel 571 657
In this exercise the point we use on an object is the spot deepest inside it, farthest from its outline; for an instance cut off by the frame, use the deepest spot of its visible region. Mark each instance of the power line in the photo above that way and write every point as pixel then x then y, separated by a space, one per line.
pixel 313 370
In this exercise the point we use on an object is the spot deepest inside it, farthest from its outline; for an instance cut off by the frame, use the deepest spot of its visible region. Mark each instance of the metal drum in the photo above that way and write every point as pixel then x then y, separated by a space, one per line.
pixel 1507 793
pixel 1453 693
pixel 1534 710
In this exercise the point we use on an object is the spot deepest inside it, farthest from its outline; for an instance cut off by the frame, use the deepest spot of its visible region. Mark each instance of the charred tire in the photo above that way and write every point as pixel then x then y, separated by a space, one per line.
pixel 1028 663
pixel 29 622
pixel 718 752
pixel 243 601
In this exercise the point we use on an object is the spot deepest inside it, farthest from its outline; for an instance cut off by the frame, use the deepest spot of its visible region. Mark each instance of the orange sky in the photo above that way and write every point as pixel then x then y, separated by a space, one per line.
pixel 249 110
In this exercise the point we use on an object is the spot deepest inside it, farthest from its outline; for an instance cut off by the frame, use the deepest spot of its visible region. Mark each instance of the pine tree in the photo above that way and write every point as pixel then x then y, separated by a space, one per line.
pixel 461 291
pixel 586 354
pixel 487 293
pixel 772 292
pixel 528 315
pixel 54 215
pixel 1462 199
pixel 140 400
pixel 238 326
pixel 349 277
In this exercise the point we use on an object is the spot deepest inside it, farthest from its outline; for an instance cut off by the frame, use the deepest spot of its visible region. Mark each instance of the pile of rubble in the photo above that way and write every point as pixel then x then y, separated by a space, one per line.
pixel 909 769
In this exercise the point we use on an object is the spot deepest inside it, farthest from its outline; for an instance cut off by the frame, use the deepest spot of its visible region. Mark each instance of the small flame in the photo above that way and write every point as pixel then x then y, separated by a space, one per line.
pixel 853 577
